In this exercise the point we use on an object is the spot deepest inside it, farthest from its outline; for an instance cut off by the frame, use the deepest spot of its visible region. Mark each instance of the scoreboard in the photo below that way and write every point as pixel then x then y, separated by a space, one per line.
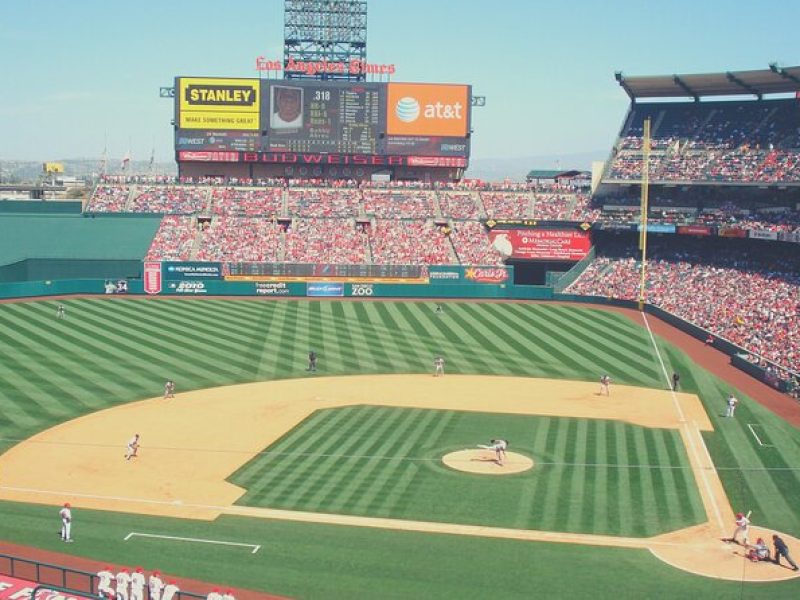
pixel 328 117
pixel 236 116
pixel 295 270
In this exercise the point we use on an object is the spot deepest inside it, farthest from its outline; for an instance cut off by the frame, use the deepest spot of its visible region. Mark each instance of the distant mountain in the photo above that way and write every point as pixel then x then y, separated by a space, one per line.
pixel 515 169
pixel 19 171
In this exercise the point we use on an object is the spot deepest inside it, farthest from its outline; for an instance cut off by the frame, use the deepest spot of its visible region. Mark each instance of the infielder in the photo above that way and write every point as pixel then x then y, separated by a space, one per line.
pixel 742 526
pixel 605 381
pixel 499 447
pixel 133 447
pixel 123 584
pixel 170 590
pixel 66 522
pixel 137 584
pixel 731 405
pixel 156 585
pixel 169 389
pixel 104 577
pixel 438 366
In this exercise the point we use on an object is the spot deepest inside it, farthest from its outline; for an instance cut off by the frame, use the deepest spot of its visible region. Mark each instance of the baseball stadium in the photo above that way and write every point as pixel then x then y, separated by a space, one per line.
pixel 321 362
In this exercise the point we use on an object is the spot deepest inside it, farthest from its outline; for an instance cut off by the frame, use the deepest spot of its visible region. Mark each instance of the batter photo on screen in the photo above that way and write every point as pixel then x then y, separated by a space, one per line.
pixel 287 107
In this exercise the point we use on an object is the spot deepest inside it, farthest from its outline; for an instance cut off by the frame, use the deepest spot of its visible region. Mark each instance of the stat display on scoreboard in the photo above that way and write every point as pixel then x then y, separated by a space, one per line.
pixel 418 121
pixel 322 271
pixel 322 117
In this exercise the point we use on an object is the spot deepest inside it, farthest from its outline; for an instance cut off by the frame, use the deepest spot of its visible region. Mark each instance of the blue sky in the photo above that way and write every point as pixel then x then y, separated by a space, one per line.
pixel 75 72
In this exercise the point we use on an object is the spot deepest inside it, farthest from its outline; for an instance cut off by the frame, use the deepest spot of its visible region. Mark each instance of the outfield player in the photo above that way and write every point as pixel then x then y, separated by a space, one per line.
pixel 156 585
pixel 137 584
pixel 66 522
pixel 133 447
pixel 61 312
pixel 123 584
pixel 169 389
pixel 605 382
pixel 730 407
pixel 104 578
pixel 743 527
pixel 312 361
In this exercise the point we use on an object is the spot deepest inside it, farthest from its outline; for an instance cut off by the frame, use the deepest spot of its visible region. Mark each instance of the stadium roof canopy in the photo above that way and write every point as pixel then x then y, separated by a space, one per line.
pixel 775 80
pixel 555 174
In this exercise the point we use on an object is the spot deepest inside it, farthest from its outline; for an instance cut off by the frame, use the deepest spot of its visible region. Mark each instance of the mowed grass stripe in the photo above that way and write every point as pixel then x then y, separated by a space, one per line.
pixel 533 359
pixel 606 355
pixel 371 483
pixel 596 509
pixel 396 350
pixel 553 497
pixel 527 507
pixel 308 470
pixel 579 489
pixel 626 482
pixel 330 493
pixel 302 441
pixel 650 490
pixel 417 355
pixel 161 349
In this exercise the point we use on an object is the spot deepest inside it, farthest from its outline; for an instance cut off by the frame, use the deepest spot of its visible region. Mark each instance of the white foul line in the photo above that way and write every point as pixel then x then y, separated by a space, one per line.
pixel 255 547
pixel 755 435
pixel 682 418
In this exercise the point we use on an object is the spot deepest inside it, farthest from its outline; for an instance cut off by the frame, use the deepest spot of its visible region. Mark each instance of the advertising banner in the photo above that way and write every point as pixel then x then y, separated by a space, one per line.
pixel 325 290
pixel 733 232
pixel 227 104
pixel 787 236
pixel 12 588
pixel 201 156
pixel 187 287
pixel 272 288
pixel 694 230
pixel 152 277
pixel 447 274
pixel 657 228
pixel 244 141
pixel 763 234
pixel 541 244
pixel 192 270
pixel 427 109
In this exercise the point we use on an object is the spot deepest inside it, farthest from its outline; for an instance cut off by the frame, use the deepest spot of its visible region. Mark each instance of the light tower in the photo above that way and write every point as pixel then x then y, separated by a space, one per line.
pixel 325 30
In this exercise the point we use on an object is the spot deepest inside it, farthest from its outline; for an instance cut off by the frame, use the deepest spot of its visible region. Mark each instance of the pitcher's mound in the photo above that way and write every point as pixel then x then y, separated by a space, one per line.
pixel 485 462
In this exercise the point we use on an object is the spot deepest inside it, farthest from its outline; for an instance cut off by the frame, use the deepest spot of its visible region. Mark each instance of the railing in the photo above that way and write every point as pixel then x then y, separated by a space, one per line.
pixel 60 578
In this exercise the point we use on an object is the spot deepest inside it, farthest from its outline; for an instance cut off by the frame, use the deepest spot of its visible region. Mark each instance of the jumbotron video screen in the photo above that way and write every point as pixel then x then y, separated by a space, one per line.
pixel 231 116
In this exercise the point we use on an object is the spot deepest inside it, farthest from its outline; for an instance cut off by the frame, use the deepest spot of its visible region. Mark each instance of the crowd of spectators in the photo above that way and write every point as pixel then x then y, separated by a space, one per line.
pixel 399 205
pixel 247 202
pixel 315 202
pixel 458 205
pixel 748 299
pixel 506 205
pixel 715 141
pixel 416 242
pixel 336 241
pixel 174 239
pixel 108 198
pixel 239 239
pixel 471 243
pixel 177 200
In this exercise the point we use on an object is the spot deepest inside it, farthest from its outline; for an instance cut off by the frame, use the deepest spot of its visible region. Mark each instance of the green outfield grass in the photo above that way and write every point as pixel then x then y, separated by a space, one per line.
pixel 592 476
pixel 112 351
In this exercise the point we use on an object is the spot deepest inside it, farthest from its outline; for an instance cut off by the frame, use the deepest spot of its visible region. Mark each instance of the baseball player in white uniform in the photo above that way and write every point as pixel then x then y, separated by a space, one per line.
pixel 228 595
pixel 605 381
pixel 137 584
pixel 133 447
pixel 66 522
pixel 214 595
pixel 170 590
pixel 731 405
pixel 499 447
pixel 156 585
pixel 438 366
pixel 123 584
pixel 105 577
pixel 743 527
